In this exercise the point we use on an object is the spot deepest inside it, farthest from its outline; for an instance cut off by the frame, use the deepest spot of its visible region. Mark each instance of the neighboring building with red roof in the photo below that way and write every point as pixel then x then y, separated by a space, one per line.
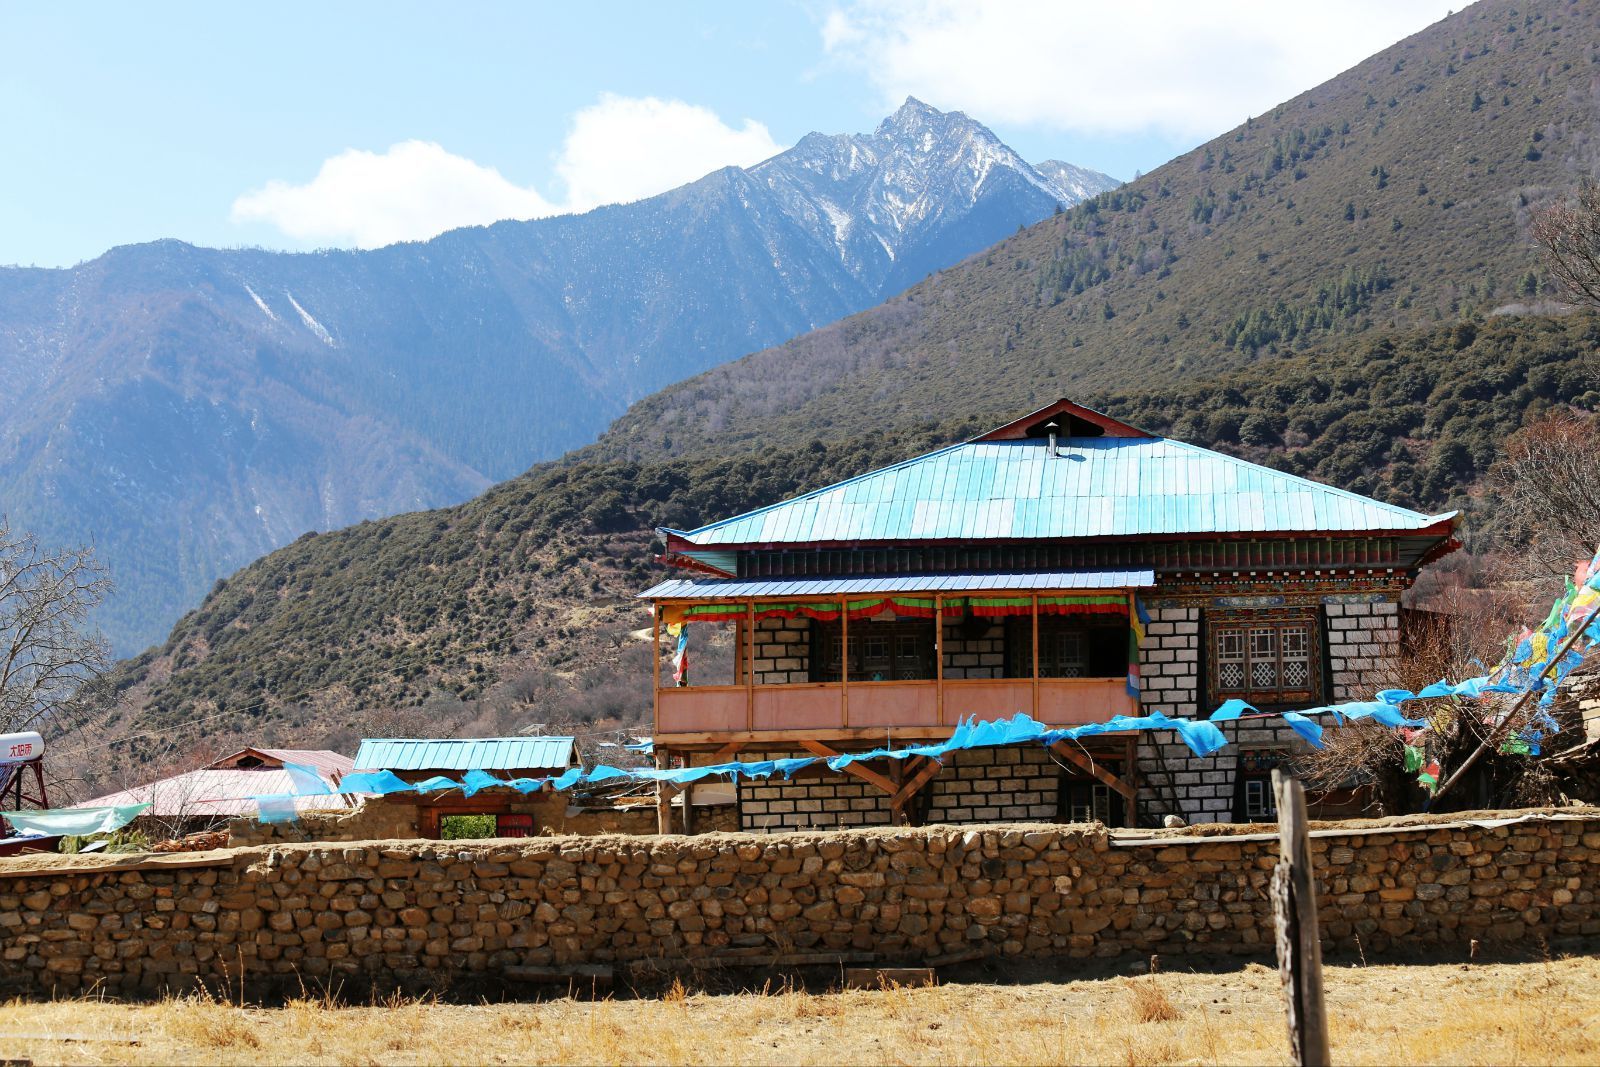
pixel 228 786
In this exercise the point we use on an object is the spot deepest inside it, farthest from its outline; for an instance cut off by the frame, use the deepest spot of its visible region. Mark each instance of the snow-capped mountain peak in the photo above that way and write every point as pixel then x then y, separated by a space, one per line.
pixel 922 176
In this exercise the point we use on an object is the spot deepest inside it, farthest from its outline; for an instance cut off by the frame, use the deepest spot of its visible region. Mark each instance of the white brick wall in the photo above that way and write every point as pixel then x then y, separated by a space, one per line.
pixel 1019 784
pixel 1169 667
pixel 983 656
pixel 1174 781
pixel 782 651
pixel 1361 639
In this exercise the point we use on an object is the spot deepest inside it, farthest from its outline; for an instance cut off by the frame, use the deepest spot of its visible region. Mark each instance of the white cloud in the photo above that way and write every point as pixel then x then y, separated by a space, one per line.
pixel 411 192
pixel 617 150
pixel 1179 67
pixel 624 148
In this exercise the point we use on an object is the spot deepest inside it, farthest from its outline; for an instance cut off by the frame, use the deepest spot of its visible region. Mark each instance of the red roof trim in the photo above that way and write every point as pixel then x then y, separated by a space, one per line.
pixel 1443 528
pixel 1018 430
pixel 689 563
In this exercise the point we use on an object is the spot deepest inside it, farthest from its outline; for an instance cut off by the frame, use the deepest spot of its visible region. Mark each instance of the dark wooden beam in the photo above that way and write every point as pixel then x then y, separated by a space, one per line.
pixel 1093 769
pixel 817 748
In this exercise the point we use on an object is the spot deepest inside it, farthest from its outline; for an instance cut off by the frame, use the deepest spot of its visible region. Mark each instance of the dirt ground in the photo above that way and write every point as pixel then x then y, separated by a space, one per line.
pixel 1538 1011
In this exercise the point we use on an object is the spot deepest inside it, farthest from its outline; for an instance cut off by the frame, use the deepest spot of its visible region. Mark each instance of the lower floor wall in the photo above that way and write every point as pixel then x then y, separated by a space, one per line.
pixel 1030 783
pixel 455 916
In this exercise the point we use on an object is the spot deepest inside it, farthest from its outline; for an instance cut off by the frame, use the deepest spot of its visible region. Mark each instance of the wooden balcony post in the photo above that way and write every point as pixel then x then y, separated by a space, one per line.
pixel 663 795
pixel 655 659
pixel 687 792
pixel 1035 599
pixel 750 667
pixel 938 656
pixel 844 663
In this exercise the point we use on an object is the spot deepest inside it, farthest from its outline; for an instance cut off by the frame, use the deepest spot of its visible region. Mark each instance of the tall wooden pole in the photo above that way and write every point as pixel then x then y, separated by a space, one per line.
pixel 1294 912
pixel 1504 725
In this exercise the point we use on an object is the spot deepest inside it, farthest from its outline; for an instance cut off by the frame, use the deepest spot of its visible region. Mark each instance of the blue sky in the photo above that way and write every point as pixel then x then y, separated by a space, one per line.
pixel 295 125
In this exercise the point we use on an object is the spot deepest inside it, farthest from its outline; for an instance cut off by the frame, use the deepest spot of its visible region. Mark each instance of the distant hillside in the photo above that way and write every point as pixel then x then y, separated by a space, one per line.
pixel 187 409
pixel 518 607
pixel 1393 196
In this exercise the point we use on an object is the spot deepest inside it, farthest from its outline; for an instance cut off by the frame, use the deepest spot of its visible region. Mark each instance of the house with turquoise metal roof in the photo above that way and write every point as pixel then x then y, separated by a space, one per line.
pixel 1066 565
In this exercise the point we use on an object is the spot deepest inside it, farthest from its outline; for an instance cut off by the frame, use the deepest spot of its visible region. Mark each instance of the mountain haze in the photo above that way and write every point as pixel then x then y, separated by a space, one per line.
pixel 187 409
pixel 1254 295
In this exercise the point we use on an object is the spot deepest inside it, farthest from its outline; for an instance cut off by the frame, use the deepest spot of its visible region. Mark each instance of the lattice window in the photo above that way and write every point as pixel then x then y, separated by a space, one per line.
pixel 1264 657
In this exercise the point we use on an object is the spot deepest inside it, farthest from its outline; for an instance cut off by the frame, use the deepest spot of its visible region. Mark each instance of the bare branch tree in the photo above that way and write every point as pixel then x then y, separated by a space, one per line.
pixel 1568 234
pixel 1548 481
pixel 50 657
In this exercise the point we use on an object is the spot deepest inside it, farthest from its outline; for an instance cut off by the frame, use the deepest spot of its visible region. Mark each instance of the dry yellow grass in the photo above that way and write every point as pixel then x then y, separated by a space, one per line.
pixel 1508 1013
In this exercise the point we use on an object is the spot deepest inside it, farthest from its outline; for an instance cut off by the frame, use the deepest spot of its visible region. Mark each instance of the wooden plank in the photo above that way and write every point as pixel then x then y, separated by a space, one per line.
pixel 1294 912
pixel 1093 769
pixel 938 658
pixel 888 977
pixel 817 748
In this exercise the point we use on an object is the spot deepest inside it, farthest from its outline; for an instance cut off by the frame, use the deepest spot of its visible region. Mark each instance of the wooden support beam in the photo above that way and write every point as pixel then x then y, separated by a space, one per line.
pixel 687 792
pixel 663 795
pixel 817 748
pixel 721 755
pixel 915 783
pixel 1093 769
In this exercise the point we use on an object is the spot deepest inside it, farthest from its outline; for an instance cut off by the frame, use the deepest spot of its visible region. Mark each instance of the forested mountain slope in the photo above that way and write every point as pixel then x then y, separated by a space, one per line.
pixel 1395 195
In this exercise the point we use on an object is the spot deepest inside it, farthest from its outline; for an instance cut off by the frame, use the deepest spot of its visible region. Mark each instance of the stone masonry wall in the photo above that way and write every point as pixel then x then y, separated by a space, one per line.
pixel 453 916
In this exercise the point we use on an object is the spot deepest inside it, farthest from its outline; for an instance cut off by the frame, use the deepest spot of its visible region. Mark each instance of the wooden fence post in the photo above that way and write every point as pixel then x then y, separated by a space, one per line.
pixel 1294 911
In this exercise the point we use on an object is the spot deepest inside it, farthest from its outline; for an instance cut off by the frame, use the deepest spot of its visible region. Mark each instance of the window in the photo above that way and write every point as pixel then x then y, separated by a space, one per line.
pixel 1068 648
pixel 1259 803
pixel 1265 658
pixel 879 651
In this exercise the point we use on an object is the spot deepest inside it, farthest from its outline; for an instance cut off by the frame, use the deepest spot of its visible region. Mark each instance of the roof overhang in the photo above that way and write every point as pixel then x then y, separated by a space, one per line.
pixel 1441 526
pixel 1104 580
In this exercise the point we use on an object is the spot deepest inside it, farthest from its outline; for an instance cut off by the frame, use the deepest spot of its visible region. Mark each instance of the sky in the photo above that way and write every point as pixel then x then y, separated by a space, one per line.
pixel 298 126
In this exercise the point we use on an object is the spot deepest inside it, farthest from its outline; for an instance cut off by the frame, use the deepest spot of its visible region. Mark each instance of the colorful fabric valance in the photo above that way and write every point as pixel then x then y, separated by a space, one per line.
pixel 907 607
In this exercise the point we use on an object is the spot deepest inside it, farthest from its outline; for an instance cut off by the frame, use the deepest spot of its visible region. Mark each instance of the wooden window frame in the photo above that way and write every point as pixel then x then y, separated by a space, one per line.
pixel 1233 637
pixel 919 664
pixel 1018 645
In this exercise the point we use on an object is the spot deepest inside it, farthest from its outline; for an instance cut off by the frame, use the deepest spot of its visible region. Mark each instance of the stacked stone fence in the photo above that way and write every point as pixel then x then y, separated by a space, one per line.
pixel 451 916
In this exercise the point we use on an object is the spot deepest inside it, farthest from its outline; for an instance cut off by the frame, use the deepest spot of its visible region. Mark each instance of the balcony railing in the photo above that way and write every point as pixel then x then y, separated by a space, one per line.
pixel 928 708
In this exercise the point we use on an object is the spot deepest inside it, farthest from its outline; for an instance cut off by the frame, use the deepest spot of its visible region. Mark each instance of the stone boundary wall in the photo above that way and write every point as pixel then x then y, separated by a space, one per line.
pixel 453 916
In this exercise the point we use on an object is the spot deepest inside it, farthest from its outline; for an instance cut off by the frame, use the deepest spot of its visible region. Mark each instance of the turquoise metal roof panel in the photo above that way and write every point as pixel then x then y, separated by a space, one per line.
pixel 1093 487
pixel 464 754
pixel 855 584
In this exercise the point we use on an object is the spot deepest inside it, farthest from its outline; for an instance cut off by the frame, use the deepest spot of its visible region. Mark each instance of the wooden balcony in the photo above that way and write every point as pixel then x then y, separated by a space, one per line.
pixel 838 711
